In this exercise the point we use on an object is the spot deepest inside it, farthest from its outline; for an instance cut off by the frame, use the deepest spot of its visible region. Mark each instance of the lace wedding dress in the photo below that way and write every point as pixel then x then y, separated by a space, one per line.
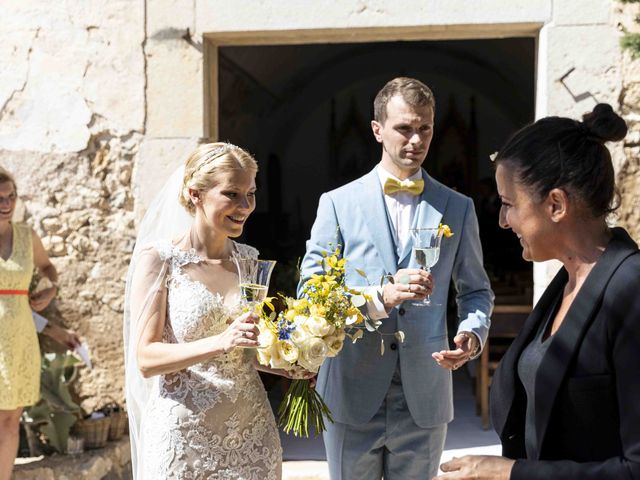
pixel 211 420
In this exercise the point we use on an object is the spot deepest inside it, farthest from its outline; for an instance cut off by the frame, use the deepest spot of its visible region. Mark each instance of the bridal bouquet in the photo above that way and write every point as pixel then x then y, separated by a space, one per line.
pixel 300 333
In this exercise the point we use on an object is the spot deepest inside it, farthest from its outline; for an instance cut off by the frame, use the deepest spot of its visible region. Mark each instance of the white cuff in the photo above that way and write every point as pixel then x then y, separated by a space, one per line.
pixel 375 307
pixel 40 321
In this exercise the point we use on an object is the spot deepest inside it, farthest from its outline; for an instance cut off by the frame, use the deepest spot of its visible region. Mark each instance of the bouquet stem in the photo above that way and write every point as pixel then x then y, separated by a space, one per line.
pixel 302 406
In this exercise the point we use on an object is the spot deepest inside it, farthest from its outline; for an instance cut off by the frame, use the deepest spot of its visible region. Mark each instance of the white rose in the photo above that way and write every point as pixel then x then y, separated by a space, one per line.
pixel 288 351
pixel 334 344
pixel 318 326
pixel 266 338
pixel 299 334
pixel 312 353
pixel 277 360
pixel 264 355
pixel 266 341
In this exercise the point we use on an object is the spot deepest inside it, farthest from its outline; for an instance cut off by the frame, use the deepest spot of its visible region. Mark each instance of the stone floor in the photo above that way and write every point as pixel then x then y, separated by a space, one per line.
pixel 113 462
pixel 304 459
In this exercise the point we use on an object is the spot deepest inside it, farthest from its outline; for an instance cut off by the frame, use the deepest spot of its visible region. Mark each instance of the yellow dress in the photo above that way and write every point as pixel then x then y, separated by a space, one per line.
pixel 19 350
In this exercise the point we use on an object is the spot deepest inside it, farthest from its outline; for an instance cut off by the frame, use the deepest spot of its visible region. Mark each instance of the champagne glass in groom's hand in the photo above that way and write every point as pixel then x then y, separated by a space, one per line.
pixel 426 250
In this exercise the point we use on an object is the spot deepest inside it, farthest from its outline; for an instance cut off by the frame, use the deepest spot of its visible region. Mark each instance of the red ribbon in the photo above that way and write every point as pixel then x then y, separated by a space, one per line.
pixel 14 292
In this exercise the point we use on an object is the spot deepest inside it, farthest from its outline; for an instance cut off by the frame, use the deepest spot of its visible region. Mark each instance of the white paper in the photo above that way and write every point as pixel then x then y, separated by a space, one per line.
pixel 83 351
pixel 39 321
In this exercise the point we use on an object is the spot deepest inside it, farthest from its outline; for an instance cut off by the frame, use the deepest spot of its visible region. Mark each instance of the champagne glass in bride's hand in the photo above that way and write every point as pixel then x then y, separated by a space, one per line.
pixel 426 250
pixel 253 277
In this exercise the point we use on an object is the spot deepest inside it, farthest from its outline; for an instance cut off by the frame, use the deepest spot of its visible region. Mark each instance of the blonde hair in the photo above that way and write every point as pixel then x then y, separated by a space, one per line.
pixel 206 162
pixel 5 176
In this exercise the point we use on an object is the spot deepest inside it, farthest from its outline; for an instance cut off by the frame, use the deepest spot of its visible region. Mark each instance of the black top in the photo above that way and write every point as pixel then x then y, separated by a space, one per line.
pixel 528 364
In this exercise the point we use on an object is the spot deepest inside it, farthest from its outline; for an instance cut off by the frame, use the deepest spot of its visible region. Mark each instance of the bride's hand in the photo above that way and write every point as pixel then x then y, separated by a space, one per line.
pixel 242 332
pixel 297 373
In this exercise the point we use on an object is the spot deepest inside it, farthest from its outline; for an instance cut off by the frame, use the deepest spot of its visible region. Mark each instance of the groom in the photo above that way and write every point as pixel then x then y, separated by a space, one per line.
pixel 391 410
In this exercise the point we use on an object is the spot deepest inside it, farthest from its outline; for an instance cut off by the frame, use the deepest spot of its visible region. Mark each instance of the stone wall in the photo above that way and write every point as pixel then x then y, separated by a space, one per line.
pixel 627 17
pixel 72 99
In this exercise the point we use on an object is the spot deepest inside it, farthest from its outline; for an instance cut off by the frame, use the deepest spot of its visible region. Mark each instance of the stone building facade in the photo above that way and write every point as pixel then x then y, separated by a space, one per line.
pixel 101 99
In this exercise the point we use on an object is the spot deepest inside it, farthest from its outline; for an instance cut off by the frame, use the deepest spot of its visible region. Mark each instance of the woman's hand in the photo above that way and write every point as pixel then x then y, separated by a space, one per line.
pixel 242 332
pixel 68 338
pixel 476 467
pixel 41 299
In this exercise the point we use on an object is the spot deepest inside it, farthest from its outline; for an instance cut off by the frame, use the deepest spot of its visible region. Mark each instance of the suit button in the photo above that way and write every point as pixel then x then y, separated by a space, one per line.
pixel 401 311
pixel 393 346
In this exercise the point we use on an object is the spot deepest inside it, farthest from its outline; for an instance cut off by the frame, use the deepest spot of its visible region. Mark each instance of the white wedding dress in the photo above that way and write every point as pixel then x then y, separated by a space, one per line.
pixel 211 420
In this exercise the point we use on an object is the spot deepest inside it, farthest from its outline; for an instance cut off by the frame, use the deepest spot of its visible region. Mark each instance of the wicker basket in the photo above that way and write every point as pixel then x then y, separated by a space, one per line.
pixel 118 425
pixel 95 431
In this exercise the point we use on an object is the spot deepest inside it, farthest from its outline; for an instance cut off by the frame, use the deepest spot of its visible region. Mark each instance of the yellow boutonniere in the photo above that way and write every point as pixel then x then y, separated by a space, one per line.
pixel 445 230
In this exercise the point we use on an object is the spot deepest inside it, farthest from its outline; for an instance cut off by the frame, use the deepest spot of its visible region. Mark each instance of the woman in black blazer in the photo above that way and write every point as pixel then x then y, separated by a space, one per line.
pixel 565 399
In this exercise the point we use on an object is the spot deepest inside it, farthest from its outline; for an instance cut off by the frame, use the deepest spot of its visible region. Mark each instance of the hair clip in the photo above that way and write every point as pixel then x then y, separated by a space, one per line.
pixel 216 152
pixel 493 156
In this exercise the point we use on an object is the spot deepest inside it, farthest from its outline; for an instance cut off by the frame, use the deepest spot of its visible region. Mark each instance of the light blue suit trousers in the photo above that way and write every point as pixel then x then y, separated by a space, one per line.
pixel 389 445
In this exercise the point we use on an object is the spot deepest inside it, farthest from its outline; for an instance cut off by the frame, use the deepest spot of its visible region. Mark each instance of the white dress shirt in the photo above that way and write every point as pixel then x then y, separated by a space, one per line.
pixel 401 207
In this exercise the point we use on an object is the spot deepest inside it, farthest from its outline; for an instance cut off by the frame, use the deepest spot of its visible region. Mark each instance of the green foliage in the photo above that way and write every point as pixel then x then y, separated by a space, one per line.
pixel 56 412
pixel 631 42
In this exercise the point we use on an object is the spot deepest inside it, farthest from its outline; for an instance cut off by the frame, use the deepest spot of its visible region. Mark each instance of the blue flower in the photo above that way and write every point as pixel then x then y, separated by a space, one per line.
pixel 284 329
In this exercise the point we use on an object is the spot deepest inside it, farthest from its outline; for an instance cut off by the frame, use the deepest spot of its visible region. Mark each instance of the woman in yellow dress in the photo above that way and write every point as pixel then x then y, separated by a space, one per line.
pixel 20 250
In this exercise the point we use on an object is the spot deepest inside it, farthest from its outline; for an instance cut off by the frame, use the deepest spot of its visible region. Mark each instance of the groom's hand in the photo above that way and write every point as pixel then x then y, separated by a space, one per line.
pixel 408 284
pixel 467 346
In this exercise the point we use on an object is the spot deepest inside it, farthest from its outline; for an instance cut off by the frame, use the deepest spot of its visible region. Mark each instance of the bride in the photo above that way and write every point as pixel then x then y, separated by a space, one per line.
pixel 197 407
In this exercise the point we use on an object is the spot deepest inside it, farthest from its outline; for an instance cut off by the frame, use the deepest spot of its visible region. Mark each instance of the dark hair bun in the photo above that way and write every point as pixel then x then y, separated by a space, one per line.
pixel 605 124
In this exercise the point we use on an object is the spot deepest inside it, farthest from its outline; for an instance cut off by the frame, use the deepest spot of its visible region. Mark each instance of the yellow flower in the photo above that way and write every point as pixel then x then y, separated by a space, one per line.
pixel 334 263
pixel 290 314
pixel 445 230
pixel 354 316
pixel 300 305
pixel 287 351
pixel 315 279
pixel 317 310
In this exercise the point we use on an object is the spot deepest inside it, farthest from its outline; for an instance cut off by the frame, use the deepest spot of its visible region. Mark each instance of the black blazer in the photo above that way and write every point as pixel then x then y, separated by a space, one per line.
pixel 587 405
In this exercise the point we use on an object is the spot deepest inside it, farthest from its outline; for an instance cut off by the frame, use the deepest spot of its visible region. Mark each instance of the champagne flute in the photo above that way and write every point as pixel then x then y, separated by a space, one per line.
pixel 254 276
pixel 426 250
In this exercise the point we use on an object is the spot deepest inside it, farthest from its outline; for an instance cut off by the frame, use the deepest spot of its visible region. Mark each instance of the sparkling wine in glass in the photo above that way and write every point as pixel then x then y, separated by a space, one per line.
pixel 426 251
pixel 252 293
pixel 254 276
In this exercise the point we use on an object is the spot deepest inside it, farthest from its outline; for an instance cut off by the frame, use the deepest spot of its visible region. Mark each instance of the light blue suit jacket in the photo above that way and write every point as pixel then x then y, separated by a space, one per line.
pixel 354 383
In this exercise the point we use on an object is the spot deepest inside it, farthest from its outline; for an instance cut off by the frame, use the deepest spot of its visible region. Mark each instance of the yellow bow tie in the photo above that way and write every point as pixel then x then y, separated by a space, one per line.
pixel 414 187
